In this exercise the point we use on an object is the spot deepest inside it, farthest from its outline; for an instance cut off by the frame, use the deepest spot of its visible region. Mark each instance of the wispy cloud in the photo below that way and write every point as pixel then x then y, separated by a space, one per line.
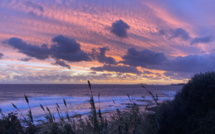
pixel 155 35
pixel 121 69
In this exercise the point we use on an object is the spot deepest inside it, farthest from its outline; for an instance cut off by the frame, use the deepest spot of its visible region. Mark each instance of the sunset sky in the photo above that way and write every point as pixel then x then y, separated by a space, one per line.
pixel 105 41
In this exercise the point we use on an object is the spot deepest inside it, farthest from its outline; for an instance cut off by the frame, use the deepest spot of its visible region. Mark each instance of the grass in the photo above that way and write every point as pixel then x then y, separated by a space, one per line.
pixel 191 112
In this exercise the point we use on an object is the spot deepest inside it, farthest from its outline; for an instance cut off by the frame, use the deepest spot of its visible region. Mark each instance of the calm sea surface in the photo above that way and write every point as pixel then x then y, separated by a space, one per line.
pixel 77 96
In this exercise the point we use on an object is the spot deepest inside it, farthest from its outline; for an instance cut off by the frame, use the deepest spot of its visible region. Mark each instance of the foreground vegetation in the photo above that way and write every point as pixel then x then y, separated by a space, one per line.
pixel 191 112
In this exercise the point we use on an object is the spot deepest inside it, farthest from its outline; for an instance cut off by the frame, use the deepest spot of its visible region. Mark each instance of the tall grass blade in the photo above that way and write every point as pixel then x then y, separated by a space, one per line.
pixel 154 98
pixel 129 97
pixel 64 101
pixel 58 106
pixel 30 116
pixel 53 117
pixel 93 111
pixel 99 96
pixel 89 84
pixel 19 111
pixel 2 113
pixel 59 114
pixel 15 106
pixel 48 109
pixel 26 99
pixel 42 107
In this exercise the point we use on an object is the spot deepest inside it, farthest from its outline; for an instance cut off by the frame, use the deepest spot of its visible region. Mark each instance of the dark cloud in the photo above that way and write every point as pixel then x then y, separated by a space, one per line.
pixel 28 49
pixel 184 35
pixel 64 44
pixel 143 58
pixel 34 6
pixel 121 69
pixel 188 65
pixel 119 28
pixel 180 33
pixel 1 55
pixel 67 49
pixel 61 63
pixel 197 40
pixel 101 56
pixel 25 59
pixel 63 49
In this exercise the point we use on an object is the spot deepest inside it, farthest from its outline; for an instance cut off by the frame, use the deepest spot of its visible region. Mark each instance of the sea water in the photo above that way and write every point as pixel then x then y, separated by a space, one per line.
pixel 77 97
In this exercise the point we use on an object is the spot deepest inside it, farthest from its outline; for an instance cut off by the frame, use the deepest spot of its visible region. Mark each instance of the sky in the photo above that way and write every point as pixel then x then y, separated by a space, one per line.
pixel 105 41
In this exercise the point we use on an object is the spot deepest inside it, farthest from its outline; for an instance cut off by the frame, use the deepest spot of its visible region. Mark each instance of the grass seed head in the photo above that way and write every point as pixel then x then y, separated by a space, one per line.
pixel 15 106
pixel 89 84
pixel 42 107
pixel 64 101
pixel 26 99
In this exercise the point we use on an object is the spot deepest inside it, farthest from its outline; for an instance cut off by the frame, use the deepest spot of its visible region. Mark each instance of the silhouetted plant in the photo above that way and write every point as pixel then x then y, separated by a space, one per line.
pixel 10 124
pixel 31 128
pixel 193 109
pixel 93 115
pixel 154 97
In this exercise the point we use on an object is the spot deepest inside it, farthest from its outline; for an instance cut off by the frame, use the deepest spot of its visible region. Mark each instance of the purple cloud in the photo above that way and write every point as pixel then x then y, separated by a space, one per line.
pixel 61 63
pixel 184 35
pixel 64 49
pixel 119 28
pixel 188 64
pixel 29 49
pixel 25 59
pixel 180 33
pixel 197 40
pixel 67 49
pixel 143 58
pixel 101 56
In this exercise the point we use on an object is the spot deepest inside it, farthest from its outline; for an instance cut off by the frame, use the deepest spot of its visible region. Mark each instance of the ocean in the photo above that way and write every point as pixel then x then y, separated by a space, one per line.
pixel 77 97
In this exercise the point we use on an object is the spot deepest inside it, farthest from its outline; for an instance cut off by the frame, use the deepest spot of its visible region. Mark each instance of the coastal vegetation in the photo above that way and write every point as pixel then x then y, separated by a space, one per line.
pixel 192 111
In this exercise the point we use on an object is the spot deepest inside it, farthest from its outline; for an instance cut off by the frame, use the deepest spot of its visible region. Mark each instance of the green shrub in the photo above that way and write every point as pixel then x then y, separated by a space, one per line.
pixel 193 109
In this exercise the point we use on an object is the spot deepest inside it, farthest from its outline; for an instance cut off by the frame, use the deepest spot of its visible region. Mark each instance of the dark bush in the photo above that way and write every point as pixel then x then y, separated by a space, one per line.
pixel 193 109
pixel 11 124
